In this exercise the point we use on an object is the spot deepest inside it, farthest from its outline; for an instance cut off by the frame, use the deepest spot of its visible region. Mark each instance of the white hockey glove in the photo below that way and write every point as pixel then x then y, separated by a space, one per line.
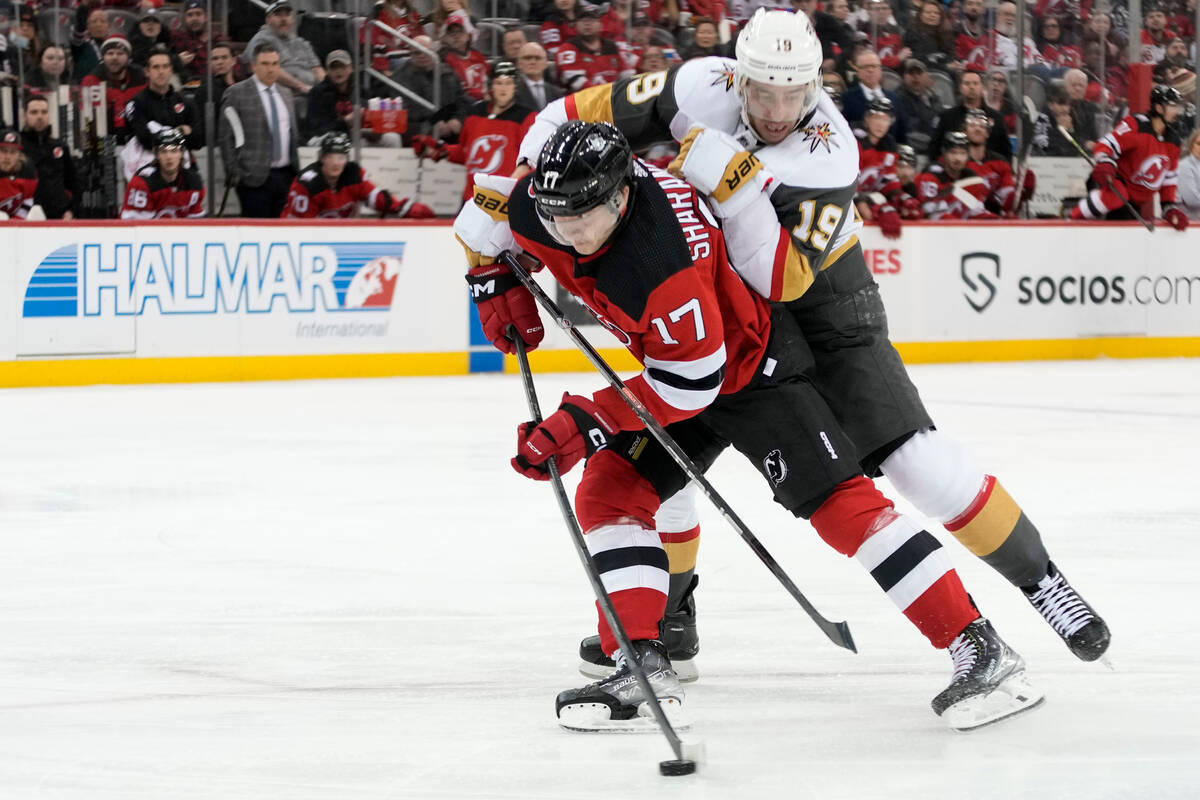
pixel 482 225
pixel 720 167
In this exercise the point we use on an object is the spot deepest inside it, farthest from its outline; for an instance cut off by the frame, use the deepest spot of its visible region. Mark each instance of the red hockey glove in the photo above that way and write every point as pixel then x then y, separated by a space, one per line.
pixel 577 430
pixel 1175 218
pixel 889 222
pixel 428 147
pixel 910 208
pixel 415 210
pixel 1104 173
pixel 503 300
pixel 1028 188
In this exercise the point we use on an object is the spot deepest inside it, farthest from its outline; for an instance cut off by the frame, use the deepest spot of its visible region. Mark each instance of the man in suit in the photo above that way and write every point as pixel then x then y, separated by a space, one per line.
pixel 856 99
pixel 970 92
pixel 259 135
pixel 533 90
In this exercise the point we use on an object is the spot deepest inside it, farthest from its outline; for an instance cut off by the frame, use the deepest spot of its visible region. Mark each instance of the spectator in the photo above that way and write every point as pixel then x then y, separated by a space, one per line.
pixel 260 156
pixel 244 19
pixel 640 36
pixel 469 65
pixel 1099 29
pixel 1108 83
pixel 491 134
pixel 559 25
pixel 919 104
pixel 950 189
pixel 1154 33
pixel 1004 49
pixel 443 11
pixel 224 75
pixel 1189 177
pixel 300 69
pixel 331 102
pixel 90 32
pixel 416 75
pixel 514 40
pixel 929 39
pixel 51 71
pixel 18 179
pixel 1084 112
pixel 400 17
pixel 883 36
pixel 155 108
pixel 997 98
pixel 654 59
pixel 868 88
pixel 971 36
pixel 617 20
pixel 26 39
pixel 150 33
pixel 190 42
pixel 838 38
pixel 707 40
pixel 533 90
pixel 165 188
pixel 715 9
pixel 1174 70
pixel 586 59
pixel 1053 51
pixel 58 187
pixel 970 93
pixel 122 81
pixel 333 186
pixel 1048 140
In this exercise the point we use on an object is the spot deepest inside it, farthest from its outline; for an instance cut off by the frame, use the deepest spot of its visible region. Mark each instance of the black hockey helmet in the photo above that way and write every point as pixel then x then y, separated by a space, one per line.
pixel 906 155
pixel 583 165
pixel 503 69
pixel 955 139
pixel 333 142
pixel 977 115
pixel 881 105
pixel 1164 95
pixel 169 139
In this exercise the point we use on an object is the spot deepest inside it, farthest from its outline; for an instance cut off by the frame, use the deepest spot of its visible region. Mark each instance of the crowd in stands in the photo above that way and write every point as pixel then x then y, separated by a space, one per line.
pixel 932 69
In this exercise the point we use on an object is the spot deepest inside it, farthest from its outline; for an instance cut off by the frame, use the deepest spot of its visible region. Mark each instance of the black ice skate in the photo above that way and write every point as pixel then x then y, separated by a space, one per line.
pixel 1069 615
pixel 989 680
pixel 617 703
pixel 677 631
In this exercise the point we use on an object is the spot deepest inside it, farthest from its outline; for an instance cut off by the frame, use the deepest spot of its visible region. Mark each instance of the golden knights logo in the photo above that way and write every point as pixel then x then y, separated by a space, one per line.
pixel 819 136
pixel 724 76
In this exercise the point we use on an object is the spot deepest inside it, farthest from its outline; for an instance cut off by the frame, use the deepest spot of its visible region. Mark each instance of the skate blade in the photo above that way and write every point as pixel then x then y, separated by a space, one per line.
pixel 685 671
pixel 1014 695
pixel 595 718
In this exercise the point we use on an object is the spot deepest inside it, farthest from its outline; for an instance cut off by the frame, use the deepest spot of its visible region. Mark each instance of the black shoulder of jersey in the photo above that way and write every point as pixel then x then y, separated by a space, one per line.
pixel 27 171
pixel 514 113
pixel 647 248
pixel 152 177
pixel 191 180
pixel 887 144
pixel 352 175
pixel 992 155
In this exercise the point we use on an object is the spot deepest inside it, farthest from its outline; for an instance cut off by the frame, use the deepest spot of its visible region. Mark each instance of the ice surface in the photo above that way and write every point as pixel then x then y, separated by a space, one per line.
pixel 339 589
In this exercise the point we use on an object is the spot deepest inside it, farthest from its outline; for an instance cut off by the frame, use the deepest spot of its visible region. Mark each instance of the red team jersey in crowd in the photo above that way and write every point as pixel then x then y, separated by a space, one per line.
pixel 117 94
pixel 579 67
pixel 554 32
pixel 311 196
pixel 149 196
pixel 17 190
pixel 1145 163
pixel 472 69
pixel 943 197
pixel 1061 55
pixel 887 46
pixel 664 287
pixel 489 143
pixel 997 175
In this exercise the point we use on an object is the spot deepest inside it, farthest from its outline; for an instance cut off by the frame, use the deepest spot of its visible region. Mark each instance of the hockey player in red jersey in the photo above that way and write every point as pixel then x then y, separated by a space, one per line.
pixel 906 174
pixel 491 133
pixel 951 189
pixel 1002 197
pixel 587 59
pixel 18 178
pixel 877 182
pixel 163 189
pixel 1134 162
pixel 642 251
pixel 332 187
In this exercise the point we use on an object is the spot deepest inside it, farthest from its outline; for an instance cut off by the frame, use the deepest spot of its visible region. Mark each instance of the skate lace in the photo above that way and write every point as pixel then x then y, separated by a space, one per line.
pixel 964 653
pixel 1058 603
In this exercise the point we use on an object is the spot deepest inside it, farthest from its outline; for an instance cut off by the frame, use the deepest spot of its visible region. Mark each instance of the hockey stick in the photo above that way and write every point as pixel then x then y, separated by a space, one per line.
pixel 838 632
pixel 1088 157
pixel 681 765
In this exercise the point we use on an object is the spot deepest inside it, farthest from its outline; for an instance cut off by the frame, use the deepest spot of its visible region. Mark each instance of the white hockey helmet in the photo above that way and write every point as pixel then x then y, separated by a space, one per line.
pixel 779 48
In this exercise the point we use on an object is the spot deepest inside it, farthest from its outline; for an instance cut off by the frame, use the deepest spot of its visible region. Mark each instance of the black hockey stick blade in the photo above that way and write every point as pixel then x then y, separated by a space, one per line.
pixel 837 632
pixel 593 574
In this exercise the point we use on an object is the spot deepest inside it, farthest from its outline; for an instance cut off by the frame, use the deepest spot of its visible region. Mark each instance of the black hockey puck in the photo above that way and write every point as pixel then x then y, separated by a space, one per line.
pixel 676 766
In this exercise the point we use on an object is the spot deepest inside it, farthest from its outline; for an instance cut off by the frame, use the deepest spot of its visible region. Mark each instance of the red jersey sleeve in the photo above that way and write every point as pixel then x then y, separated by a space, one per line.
pixel 299 203
pixel 196 209
pixel 137 200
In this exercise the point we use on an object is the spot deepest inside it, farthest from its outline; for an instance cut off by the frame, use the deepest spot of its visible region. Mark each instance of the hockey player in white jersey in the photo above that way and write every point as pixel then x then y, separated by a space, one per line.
pixel 780 165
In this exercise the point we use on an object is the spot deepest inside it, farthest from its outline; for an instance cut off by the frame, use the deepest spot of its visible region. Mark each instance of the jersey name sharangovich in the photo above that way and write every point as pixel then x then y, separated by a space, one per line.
pixel 815 168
